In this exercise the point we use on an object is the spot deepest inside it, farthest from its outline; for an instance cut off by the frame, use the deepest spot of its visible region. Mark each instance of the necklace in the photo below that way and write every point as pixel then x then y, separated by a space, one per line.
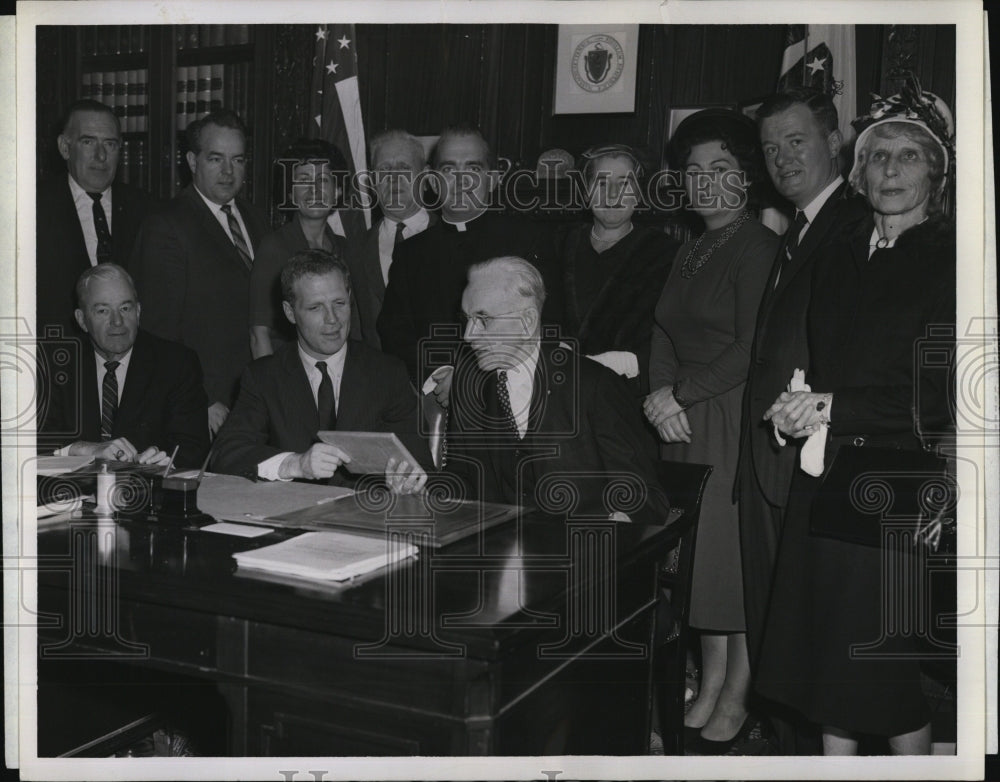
pixel 595 239
pixel 692 265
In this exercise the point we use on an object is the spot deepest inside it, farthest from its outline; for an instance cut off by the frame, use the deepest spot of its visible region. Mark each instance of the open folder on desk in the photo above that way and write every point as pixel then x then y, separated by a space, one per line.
pixel 370 513
pixel 231 498
pixel 330 556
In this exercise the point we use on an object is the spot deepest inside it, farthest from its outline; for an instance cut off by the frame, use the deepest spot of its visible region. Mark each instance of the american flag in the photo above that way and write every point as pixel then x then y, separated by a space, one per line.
pixel 336 101
pixel 823 56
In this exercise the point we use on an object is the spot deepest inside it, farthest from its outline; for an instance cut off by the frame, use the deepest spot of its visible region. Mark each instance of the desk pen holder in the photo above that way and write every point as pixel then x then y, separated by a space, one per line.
pixel 175 498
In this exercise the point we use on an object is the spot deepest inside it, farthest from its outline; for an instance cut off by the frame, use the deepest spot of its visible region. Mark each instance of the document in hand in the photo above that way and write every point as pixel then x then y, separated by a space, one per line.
pixel 369 451
pixel 330 556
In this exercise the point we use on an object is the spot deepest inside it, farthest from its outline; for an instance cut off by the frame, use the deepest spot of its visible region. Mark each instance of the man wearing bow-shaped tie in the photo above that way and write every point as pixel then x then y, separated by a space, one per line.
pixel 192 263
pixel 322 381
pixel 83 217
pixel 533 426
pixel 801 143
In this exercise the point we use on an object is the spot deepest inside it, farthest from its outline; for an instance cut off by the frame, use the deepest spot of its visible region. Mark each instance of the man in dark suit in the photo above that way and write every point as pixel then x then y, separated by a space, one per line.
pixel 533 424
pixel 133 396
pixel 398 161
pixel 801 142
pixel 429 271
pixel 192 262
pixel 84 218
pixel 320 382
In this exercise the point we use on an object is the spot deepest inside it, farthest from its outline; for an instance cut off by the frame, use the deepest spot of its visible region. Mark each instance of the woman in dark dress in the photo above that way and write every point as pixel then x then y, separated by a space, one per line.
pixel 614 271
pixel 835 646
pixel 307 172
pixel 704 324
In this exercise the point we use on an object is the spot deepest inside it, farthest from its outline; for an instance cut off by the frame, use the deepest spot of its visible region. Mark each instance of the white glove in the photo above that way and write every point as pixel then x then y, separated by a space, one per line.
pixel 620 361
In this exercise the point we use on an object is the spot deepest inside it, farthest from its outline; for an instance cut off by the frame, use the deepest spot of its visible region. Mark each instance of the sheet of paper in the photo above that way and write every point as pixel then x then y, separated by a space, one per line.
pixel 231 498
pixel 60 465
pixel 239 530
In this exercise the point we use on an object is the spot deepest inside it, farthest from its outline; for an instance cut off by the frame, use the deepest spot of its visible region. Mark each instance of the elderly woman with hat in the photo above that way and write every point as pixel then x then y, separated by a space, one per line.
pixel 838 646
pixel 704 325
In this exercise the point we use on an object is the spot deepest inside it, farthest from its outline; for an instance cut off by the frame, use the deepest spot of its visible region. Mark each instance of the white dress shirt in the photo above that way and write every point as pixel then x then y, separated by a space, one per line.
pixel 216 210
pixel 412 225
pixel 812 208
pixel 85 211
pixel 520 384
pixel 269 468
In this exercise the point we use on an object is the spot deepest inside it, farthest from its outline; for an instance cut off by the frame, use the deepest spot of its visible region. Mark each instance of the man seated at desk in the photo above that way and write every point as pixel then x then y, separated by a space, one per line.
pixel 323 381
pixel 531 423
pixel 134 396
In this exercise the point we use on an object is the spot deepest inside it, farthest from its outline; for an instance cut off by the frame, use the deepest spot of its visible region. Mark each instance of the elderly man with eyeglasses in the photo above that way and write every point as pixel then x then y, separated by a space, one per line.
pixel 532 424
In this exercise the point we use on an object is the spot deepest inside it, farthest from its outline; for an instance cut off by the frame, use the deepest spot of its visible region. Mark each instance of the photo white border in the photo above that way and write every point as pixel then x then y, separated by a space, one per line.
pixel 975 302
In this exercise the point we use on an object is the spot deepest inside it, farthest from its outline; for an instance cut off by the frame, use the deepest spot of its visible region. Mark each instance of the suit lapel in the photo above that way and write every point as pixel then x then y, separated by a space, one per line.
pixel 140 371
pixel 301 403
pixel 90 425
pixel 815 236
pixel 373 262
pixel 351 401
pixel 214 229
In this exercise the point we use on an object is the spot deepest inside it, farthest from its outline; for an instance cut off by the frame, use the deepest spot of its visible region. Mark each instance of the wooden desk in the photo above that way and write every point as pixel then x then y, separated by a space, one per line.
pixel 531 639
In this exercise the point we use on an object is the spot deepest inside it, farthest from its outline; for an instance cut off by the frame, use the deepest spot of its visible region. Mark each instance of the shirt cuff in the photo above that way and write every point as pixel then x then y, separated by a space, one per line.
pixel 268 469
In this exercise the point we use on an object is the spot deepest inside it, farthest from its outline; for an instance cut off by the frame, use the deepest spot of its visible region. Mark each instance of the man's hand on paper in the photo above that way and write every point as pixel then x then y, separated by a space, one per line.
pixel 119 450
pixel 401 478
pixel 320 461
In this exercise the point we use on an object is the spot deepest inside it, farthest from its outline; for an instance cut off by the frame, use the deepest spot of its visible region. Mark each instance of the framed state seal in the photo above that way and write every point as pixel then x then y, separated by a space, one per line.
pixel 595 69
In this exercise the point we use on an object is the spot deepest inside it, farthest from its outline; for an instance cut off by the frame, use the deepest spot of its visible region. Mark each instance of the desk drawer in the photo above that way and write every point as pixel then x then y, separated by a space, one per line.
pixel 443 685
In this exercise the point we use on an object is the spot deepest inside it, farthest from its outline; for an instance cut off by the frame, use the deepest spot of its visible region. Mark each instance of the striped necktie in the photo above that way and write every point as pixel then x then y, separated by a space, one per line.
pixel 109 399
pixel 238 238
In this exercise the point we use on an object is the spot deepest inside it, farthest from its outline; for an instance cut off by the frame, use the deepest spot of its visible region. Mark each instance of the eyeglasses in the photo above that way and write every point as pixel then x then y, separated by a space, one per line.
pixel 483 321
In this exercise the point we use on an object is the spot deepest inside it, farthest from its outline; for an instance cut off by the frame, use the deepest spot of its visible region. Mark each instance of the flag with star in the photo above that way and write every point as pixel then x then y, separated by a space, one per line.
pixel 823 56
pixel 336 100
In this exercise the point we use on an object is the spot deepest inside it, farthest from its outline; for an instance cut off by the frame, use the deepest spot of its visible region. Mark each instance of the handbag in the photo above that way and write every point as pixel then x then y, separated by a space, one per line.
pixel 871 488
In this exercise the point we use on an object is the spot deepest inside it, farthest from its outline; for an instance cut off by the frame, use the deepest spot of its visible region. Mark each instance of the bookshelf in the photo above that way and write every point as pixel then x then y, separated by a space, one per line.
pixel 159 79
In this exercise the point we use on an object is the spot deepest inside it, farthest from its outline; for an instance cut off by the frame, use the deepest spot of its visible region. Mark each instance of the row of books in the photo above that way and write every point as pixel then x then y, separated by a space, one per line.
pixel 114 39
pixel 194 36
pixel 133 163
pixel 134 38
pixel 124 91
pixel 205 88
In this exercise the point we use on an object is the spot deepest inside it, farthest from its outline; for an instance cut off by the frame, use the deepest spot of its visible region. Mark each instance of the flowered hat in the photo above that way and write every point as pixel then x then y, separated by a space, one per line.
pixel 912 106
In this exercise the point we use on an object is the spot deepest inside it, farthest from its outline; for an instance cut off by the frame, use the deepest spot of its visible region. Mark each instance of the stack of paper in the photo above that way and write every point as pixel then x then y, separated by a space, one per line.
pixel 331 556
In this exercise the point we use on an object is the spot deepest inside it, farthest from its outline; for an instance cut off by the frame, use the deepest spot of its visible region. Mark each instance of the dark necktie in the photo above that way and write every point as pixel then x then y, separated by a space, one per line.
pixel 791 242
pixel 103 232
pixel 400 226
pixel 794 233
pixel 109 399
pixel 504 396
pixel 324 400
pixel 238 238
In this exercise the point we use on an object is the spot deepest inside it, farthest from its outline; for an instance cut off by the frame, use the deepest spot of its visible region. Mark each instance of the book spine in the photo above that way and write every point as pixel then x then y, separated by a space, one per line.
pixel 204 89
pixel 124 163
pixel 182 87
pixel 217 34
pixel 108 88
pixel 142 175
pixel 241 33
pixel 192 94
pixel 192 36
pixel 85 85
pixel 120 101
pixel 216 87
pixel 132 102
pixel 142 100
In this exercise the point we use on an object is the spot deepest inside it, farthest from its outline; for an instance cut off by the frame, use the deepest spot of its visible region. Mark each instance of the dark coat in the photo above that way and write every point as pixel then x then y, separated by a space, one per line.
pixel 585 438
pixel 620 316
pixel 194 286
pixel 367 284
pixel 61 253
pixel 429 273
pixel 780 346
pixel 276 411
pixel 162 402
